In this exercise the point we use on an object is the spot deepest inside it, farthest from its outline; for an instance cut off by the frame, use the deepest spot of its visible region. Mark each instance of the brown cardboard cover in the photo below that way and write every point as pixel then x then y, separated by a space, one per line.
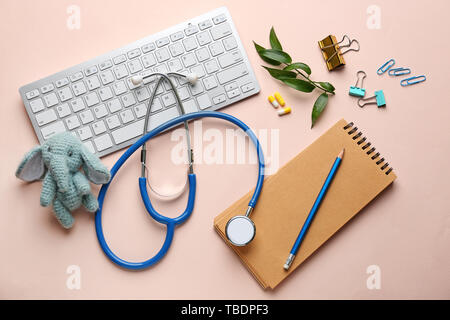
pixel 288 196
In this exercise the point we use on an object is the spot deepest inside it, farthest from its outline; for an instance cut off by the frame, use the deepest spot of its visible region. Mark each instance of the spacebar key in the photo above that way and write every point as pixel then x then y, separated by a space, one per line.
pixel 232 73
pixel 135 129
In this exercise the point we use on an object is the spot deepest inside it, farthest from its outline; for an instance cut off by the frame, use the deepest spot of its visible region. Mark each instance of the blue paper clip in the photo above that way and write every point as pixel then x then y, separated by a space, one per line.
pixel 385 67
pixel 408 82
pixel 380 101
pixel 399 71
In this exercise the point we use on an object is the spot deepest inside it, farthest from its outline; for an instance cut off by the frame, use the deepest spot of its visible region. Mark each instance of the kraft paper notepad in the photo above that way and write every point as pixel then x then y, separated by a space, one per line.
pixel 288 196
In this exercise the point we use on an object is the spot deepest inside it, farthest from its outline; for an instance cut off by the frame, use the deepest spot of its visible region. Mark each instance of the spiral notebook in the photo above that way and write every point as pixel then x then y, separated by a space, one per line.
pixel 288 196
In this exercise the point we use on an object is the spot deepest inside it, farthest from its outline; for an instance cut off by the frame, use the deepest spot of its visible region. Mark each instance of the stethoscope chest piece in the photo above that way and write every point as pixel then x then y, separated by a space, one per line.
pixel 240 230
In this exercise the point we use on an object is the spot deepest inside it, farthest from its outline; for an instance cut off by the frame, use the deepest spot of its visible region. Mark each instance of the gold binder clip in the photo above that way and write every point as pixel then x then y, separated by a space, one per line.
pixel 332 53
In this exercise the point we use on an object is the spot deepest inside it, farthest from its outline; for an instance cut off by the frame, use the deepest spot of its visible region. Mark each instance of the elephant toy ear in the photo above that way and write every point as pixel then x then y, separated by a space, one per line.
pixel 95 171
pixel 32 166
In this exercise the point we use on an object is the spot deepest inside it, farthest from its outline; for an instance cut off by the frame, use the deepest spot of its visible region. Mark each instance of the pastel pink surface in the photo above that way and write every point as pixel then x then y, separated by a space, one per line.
pixel 406 231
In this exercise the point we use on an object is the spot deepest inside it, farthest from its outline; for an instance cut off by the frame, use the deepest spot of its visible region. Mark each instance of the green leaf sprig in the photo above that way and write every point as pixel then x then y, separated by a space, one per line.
pixel 289 72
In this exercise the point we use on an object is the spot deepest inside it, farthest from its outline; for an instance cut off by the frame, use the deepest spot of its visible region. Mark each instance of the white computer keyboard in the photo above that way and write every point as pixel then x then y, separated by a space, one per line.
pixel 97 101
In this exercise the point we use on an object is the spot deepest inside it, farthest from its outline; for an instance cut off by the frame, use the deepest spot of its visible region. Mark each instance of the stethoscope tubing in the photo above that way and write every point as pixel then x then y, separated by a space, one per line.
pixel 169 222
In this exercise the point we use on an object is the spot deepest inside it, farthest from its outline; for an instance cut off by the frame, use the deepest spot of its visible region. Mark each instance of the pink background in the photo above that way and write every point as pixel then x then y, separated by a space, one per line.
pixel 406 231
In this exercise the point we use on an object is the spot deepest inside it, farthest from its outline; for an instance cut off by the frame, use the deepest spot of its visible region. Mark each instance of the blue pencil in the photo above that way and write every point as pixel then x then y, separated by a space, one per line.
pixel 313 211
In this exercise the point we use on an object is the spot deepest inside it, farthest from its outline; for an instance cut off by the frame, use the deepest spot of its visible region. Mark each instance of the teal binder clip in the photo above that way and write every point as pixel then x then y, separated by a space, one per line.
pixel 380 100
pixel 385 67
pixel 355 90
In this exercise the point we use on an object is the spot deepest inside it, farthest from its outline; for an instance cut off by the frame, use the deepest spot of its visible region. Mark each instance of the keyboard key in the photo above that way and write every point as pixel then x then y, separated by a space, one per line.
pixel 175 65
pixel 219 99
pixel 176 49
pixel 219 19
pixel 90 71
pixel 210 82
pixel 79 88
pixel 183 93
pixel 142 94
pixel 248 87
pixel 198 70
pixel 205 24
pixel 86 116
pixel 230 86
pixel 93 83
pixel 157 105
pixel 203 38
pixel 105 93
pixel 84 133
pixel 31 94
pixel 196 88
pixel 120 71
pixel 63 110
pixel 232 73
pixel 105 65
pixel 89 146
pixel 100 111
pixel 77 104
pixel 113 122
pixel 134 53
pixel 65 94
pixel 216 48
pixel 107 77
pixel 229 43
pixel 52 129
pixel 47 88
pixel 211 66
pixel 128 99
pixel 162 54
pixel 72 122
pixel 162 42
pixel 191 29
pixel 148 47
pixel 202 54
pixel 119 87
pixel 61 82
pixel 76 76
pixel 188 60
pixel 99 127
pixel 91 99
pixel 114 105
pixel 220 31
pixel 51 99
pixel 168 99
pixel 135 66
pixel 162 68
pixel 140 110
pixel 46 117
pixel 37 105
pixel 204 101
pixel 190 106
pixel 126 116
pixel 190 44
pixel 176 36
pixel 120 59
pixel 233 93
pixel 148 60
pixel 103 142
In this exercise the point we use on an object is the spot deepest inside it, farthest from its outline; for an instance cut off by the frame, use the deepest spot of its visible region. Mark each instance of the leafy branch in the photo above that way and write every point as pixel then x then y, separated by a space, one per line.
pixel 290 72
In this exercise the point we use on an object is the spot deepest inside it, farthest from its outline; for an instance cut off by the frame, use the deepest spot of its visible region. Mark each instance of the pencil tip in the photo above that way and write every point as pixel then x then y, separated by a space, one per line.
pixel 341 154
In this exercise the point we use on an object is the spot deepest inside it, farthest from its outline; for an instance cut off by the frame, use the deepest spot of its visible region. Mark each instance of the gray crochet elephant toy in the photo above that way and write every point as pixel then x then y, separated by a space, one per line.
pixel 58 162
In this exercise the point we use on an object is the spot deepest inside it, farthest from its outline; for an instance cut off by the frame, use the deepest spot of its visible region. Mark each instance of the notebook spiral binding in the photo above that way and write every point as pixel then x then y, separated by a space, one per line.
pixel 366 145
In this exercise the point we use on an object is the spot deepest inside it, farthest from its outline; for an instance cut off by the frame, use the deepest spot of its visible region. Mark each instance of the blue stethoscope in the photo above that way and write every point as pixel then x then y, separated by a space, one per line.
pixel 240 230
